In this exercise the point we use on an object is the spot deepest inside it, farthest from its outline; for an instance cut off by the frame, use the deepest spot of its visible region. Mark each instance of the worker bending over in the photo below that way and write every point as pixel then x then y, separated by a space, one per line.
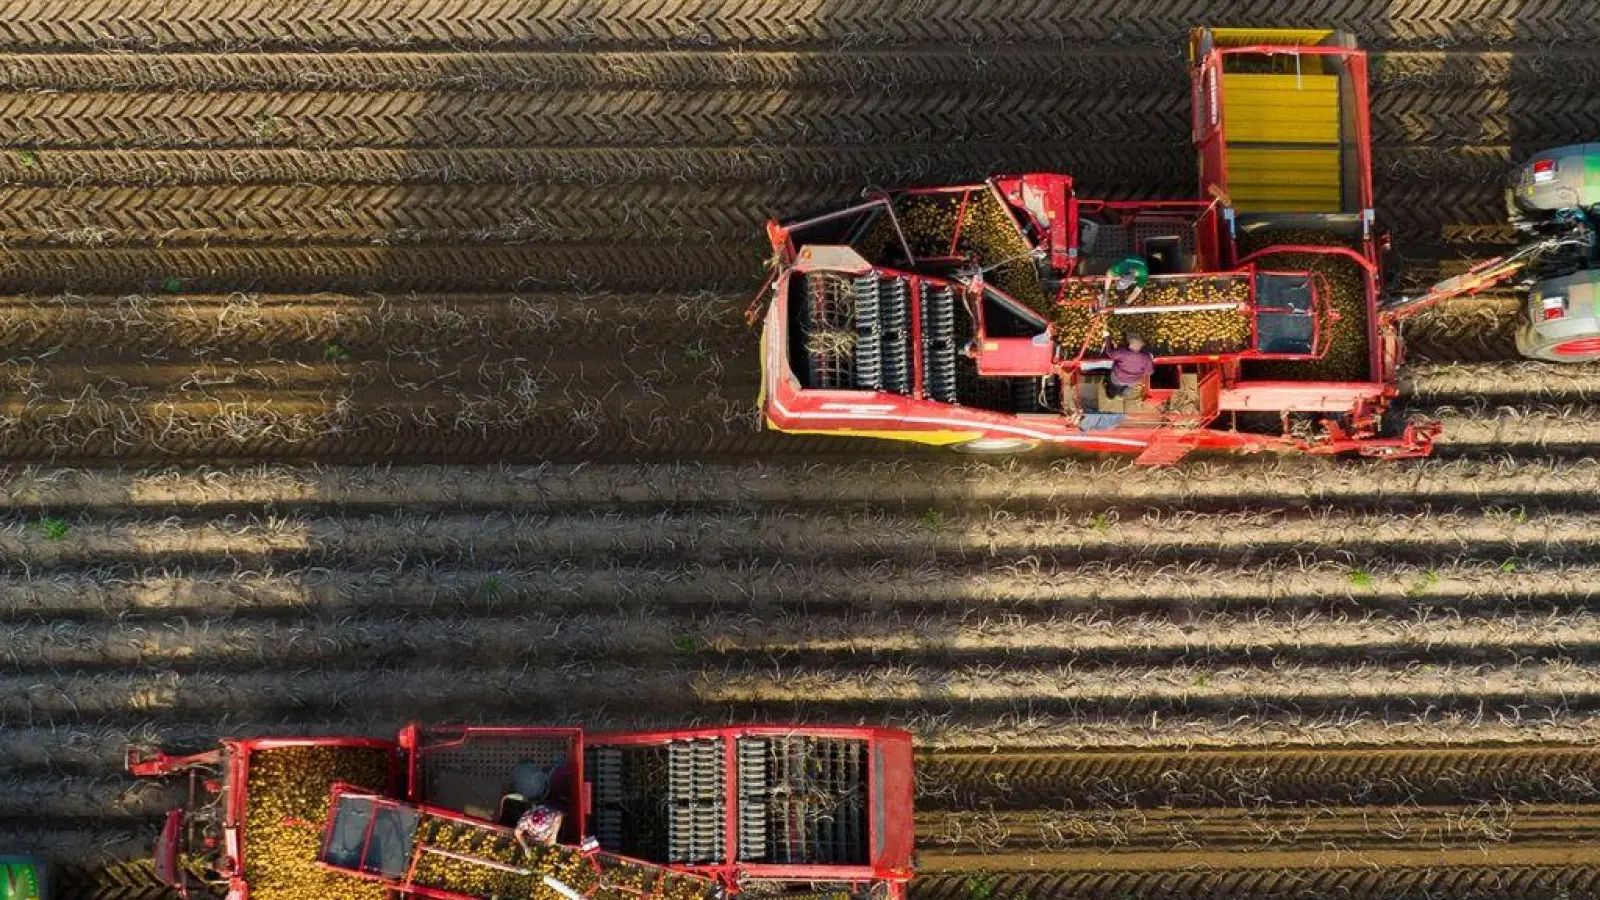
pixel 1130 365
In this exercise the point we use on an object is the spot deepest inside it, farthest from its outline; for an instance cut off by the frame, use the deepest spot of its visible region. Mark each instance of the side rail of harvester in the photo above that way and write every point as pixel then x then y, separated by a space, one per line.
pixel 431 852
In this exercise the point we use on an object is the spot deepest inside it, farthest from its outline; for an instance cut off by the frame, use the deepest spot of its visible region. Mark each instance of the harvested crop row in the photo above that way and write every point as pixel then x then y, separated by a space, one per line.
pixel 913 487
pixel 1515 383
pixel 851 688
pixel 1311 535
pixel 1435 636
pixel 1371 590
pixel 660 116
pixel 94 749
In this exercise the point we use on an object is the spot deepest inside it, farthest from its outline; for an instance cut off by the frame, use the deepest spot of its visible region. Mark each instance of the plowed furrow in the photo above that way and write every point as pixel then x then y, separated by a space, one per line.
pixel 109 796
pixel 1312 536
pixel 821 642
pixel 1522 382
pixel 777 692
pixel 1458 595
pixel 1072 490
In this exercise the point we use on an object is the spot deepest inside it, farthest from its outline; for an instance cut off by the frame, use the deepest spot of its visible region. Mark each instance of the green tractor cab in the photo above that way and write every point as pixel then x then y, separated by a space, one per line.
pixel 23 878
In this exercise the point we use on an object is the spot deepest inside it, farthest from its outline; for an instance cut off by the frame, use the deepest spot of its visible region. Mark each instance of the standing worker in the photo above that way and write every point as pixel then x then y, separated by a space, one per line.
pixel 1130 365
pixel 1126 275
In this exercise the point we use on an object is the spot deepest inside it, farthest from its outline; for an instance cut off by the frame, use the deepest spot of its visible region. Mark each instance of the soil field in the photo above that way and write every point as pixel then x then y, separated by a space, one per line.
pixel 385 360
pixel 1275 679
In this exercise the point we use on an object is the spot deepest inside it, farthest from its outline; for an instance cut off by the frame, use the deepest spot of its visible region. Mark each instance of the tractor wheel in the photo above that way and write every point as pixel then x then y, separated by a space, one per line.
pixel 996 446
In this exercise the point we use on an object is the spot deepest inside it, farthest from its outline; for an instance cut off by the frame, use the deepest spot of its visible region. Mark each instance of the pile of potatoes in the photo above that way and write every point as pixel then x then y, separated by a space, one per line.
pixel 1165 334
pixel 989 237
pixel 521 873
pixel 287 809
pixel 1346 359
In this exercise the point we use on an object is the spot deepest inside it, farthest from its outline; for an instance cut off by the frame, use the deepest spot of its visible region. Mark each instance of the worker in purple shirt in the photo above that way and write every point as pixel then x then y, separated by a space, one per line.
pixel 1130 365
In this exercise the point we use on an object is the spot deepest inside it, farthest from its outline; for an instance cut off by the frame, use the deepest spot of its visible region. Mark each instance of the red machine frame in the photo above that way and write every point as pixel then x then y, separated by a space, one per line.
pixel 1044 204
pixel 231 792
pixel 219 778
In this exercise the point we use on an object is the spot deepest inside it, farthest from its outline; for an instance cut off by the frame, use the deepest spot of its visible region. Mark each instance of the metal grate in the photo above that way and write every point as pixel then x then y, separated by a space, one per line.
pixel 629 790
pixel 472 775
pixel 1115 240
pixel 604 768
pixel 939 343
pixel 813 795
pixel 829 331
pixel 697 797
pixel 869 334
pixel 895 300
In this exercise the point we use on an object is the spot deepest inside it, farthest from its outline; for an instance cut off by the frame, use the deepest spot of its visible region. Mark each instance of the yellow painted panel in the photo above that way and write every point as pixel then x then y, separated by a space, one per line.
pixel 1284 198
pixel 1284 109
pixel 1257 165
pixel 1246 37
pixel 936 438
pixel 1276 179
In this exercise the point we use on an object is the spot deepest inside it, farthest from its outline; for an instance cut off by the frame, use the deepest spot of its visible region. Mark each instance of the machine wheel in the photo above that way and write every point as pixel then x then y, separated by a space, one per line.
pixel 995 446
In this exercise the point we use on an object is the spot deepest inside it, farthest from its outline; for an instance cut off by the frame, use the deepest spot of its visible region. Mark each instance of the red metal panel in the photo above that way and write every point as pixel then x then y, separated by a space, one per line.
pixel 895 815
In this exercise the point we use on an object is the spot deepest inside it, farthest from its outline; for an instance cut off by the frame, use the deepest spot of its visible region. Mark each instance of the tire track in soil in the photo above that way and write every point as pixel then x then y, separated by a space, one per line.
pixel 1024 779
pixel 365 269
pixel 221 25
pixel 1383 834
pixel 1468 882
pixel 1125 68
pixel 456 213
pixel 396 214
